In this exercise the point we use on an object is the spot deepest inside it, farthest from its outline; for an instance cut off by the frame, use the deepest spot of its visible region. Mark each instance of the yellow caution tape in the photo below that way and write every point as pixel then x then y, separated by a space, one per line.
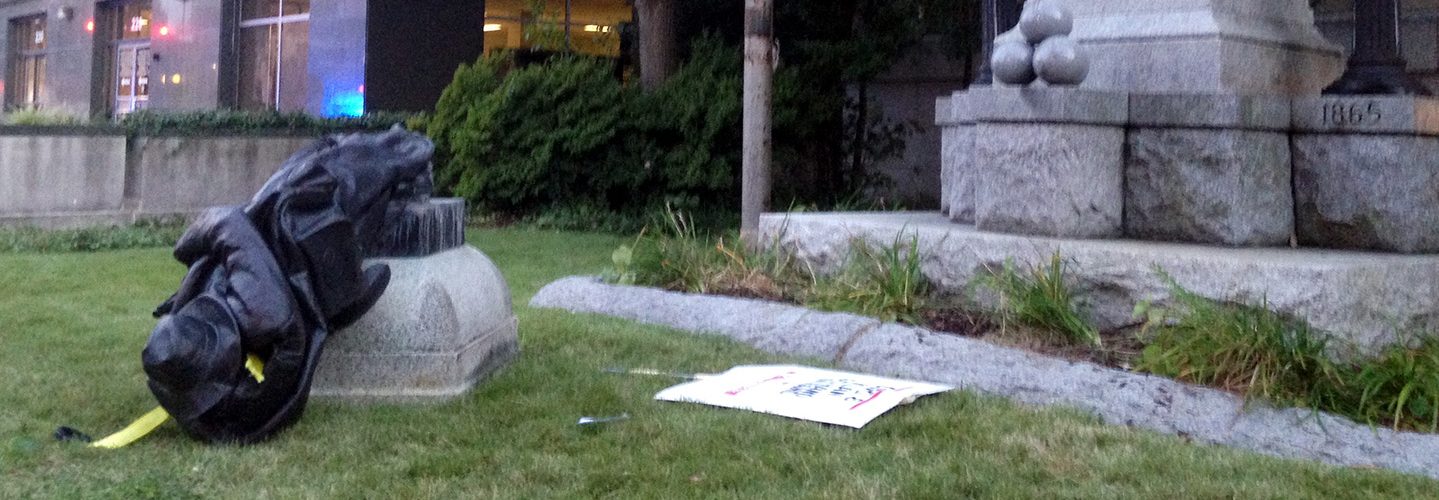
pixel 135 431
pixel 256 367
pixel 150 421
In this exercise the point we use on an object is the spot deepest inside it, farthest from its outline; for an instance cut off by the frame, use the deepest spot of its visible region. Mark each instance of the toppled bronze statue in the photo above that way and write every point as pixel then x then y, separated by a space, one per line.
pixel 267 283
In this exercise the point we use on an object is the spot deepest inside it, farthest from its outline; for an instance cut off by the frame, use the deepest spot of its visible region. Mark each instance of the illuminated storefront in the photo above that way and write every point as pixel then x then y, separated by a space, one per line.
pixel 586 26
pixel 326 57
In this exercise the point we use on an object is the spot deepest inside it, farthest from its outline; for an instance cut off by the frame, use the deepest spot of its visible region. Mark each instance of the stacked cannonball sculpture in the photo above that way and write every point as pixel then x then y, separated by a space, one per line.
pixel 1040 47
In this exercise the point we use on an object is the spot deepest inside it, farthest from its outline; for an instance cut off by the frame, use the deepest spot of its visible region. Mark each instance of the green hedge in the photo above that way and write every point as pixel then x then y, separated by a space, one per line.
pixel 251 122
pixel 565 137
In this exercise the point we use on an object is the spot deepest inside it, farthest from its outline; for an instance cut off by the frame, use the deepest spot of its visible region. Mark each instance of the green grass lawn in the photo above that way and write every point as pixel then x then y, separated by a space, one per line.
pixel 72 326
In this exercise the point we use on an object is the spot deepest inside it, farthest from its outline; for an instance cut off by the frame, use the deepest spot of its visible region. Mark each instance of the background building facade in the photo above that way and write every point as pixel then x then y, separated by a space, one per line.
pixel 326 57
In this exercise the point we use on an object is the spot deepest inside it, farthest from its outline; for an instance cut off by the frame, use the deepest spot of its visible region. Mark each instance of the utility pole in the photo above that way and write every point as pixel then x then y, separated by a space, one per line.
pixel 759 62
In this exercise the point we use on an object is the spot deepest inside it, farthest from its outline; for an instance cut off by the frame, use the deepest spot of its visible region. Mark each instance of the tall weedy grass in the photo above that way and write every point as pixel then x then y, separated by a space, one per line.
pixel 1240 348
pixel 677 256
pixel 1266 355
pixel 1400 386
pixel 1040 297
pixel 886 283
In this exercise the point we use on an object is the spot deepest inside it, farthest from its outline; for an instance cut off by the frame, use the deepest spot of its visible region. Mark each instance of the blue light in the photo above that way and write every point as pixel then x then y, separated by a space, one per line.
pixel 349 103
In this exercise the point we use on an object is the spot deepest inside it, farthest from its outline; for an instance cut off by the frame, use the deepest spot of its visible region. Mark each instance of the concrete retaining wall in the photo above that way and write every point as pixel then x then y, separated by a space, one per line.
pixel 82 176
pixel 67 171
pixel 183 175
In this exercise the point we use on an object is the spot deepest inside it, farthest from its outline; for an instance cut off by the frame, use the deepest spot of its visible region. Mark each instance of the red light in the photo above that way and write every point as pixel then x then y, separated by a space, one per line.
pixel 90 25
pixel 164 31
pixel 362 89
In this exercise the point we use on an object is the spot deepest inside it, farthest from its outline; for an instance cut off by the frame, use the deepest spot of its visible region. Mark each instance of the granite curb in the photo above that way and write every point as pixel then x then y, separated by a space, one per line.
pixel 1118 397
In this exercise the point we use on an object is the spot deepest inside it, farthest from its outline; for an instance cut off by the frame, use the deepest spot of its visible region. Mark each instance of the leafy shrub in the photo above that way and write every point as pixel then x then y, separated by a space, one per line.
pixel 585 215
pixel 541 137
pixel 885 283
pixel 563 136
pixel 687 133
pixel 252 122
pixel 452 121
pixel 1040 297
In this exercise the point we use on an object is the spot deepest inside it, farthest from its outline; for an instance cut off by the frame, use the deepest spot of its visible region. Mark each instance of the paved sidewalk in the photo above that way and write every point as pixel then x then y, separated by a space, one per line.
pixel 1116 396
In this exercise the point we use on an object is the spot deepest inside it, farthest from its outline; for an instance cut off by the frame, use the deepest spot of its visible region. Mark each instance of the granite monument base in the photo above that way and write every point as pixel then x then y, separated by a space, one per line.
pixel 445 323
pixel 1268 47
pixel 957 176
pixel 1366 173
pixel 1049 161
pixel 1208 169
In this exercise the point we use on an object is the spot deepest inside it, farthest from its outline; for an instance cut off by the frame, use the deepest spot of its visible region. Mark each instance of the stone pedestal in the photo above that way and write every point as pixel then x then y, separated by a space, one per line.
pixel 1206 46
pixel 444 323
pixel 1366 173
pixel 1049 161
pixel 956 176
pixel 1208 169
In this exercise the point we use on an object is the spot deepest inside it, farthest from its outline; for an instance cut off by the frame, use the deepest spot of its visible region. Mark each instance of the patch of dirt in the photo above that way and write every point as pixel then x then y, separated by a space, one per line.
pixel 957 321
pixel 753 285
pixel 1119 348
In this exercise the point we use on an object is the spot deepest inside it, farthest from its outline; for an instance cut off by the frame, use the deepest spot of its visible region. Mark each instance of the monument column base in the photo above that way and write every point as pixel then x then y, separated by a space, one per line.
pixel 1268 47
pixel 1049 161
pixel 956 161
pixel 1365 176
pixel 1208 168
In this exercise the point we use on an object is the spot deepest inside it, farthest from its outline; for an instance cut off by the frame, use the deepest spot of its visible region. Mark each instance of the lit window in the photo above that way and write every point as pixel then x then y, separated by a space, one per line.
pixel 540 25
pixel 135 21
pixel 274 47
pixel 27 62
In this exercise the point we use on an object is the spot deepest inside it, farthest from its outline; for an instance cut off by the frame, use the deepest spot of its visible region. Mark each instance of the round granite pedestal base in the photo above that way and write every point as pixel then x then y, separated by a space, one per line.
pixel 445 323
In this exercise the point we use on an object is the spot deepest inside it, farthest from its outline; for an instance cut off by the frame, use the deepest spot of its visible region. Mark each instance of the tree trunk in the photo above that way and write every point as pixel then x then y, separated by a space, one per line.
pixel 658 57
pixel 758 100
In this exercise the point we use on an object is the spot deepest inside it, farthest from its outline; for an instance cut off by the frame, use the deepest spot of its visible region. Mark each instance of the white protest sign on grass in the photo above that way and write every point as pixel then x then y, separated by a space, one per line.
pixel 826 396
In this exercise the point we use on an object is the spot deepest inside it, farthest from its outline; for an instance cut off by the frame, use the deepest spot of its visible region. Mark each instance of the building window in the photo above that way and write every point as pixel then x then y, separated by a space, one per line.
pixel 27 62
pixel 129 35
pixel 134 21
pixel 274 48
pixel 585 26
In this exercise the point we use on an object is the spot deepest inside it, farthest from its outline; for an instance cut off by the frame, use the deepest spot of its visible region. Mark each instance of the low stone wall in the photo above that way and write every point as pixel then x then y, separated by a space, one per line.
pixel 57 177
pixel 183 175
pixel 51 174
